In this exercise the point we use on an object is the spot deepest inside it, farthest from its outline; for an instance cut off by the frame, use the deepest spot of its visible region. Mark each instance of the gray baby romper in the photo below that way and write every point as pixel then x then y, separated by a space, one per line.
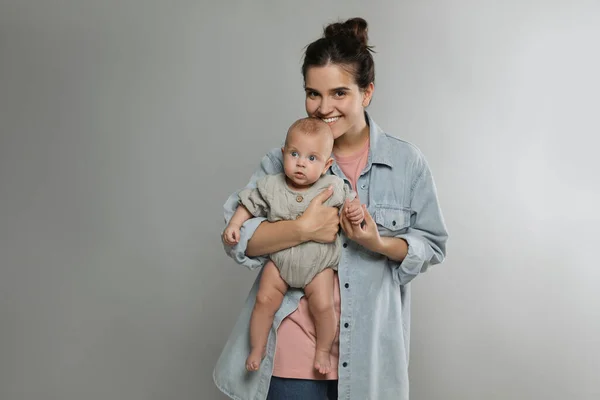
pixel 274 200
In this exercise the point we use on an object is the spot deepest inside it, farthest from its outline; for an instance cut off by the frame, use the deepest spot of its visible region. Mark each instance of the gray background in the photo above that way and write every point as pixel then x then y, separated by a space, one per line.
pixel 125 124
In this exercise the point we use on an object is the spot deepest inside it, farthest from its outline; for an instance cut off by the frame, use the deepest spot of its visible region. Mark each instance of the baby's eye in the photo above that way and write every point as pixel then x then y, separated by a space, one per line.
pixel 294 154
pixel 312 158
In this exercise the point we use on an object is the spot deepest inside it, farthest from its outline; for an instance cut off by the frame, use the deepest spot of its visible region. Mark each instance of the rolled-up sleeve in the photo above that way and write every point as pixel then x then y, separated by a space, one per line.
pixel 269 165
pixel 427 234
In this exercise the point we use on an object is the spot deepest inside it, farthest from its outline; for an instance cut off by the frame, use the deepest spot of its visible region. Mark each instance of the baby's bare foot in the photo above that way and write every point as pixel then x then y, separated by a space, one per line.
pixel 322 362
pixel 254 359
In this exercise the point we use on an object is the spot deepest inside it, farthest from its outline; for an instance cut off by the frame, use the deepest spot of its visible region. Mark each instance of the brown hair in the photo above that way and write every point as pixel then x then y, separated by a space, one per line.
pixel 345 44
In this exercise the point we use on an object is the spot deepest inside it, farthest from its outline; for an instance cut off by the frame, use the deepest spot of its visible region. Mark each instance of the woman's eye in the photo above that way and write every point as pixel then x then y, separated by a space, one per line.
pixel 312 94
pixel 340 93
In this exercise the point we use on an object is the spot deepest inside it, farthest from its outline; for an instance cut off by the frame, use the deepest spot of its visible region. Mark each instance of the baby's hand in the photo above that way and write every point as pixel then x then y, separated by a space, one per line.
pixel 231 235
pixel 354 212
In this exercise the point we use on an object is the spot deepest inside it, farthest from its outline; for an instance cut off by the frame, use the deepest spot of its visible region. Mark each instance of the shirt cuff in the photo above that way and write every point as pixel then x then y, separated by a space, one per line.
pixel 238 251
pixel 416 261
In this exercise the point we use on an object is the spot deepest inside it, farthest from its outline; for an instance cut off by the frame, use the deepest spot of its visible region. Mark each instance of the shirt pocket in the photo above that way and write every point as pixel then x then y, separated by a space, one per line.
pixel 392 220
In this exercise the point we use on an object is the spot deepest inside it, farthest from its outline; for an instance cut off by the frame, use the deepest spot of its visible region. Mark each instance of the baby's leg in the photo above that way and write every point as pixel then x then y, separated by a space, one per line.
pixel 270 295
pixel 319 293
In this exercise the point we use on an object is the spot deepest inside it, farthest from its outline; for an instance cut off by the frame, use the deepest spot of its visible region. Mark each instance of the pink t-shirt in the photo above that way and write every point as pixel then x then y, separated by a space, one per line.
pixel 296 336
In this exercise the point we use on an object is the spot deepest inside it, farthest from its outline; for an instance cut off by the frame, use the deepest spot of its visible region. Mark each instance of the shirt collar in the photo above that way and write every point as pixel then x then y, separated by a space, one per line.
pixel 379 151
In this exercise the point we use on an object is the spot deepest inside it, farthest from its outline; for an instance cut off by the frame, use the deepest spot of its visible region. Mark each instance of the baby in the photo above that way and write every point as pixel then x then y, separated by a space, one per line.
pixel 309 265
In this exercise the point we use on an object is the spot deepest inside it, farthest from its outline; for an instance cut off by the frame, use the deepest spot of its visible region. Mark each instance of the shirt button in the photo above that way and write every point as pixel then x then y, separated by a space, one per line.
pixel 345 245
pixel 299 199
pixel 363 186
pixel 346 325
pixel 394 223
pixel 347 285
pixel 345 364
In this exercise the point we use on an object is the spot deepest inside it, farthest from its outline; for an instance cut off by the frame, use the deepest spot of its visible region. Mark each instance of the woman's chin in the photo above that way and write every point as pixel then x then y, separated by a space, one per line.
pixel 337 131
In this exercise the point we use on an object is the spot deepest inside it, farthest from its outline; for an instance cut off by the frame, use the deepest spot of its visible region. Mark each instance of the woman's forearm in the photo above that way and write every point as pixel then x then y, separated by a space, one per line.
pixel 393 248
pixel 271 237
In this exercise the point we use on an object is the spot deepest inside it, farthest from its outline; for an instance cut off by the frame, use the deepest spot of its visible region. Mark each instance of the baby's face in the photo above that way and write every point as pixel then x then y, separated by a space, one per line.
pixel 306 158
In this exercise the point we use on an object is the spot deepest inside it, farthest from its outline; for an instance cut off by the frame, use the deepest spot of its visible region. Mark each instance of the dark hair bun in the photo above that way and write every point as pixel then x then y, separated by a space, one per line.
pixel 354 27
pixel 345 44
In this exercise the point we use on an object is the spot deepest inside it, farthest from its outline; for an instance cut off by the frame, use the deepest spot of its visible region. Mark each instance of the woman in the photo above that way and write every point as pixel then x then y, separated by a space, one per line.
pixel 403 233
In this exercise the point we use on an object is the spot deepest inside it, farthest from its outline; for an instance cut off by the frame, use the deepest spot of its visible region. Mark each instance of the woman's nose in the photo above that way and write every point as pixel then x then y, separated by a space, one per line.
pixel 326 106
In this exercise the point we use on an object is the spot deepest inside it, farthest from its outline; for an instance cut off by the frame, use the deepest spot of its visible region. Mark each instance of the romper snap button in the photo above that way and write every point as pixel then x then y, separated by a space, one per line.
pixel 299 199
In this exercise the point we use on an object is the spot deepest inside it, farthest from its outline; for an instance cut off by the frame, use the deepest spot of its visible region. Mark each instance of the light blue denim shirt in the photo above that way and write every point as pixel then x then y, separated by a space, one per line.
pixel 400 194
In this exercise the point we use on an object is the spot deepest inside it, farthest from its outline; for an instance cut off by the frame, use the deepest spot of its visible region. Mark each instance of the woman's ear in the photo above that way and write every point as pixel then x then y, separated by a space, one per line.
pixel 368 95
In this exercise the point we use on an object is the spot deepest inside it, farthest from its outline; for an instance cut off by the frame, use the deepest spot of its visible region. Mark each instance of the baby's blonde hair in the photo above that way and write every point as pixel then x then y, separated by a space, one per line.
pixel 311 126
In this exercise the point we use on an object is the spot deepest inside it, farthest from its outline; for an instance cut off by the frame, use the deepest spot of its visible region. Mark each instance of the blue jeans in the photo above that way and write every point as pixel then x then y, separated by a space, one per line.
pixel 302 389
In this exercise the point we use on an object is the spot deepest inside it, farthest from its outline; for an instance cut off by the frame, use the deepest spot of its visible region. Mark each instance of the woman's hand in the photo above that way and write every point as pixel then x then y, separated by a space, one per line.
pixel 365 234
pixel 320 223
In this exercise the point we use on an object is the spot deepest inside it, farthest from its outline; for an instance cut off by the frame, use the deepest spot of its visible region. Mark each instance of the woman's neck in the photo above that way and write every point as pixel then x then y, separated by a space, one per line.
pixel 351 142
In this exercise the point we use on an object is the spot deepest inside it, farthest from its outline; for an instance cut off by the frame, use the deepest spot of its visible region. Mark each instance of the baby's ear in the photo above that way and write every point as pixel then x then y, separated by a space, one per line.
pixel 327 165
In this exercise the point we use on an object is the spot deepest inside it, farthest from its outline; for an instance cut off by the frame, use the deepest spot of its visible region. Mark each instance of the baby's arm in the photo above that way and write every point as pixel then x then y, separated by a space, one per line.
pixel 231 234
pixel 250 204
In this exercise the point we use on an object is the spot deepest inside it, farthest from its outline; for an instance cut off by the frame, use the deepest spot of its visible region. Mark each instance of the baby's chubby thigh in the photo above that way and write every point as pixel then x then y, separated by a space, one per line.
pixel 272 288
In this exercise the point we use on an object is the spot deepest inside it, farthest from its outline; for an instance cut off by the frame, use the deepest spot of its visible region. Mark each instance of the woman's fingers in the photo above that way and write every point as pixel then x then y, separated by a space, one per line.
pixel 347 226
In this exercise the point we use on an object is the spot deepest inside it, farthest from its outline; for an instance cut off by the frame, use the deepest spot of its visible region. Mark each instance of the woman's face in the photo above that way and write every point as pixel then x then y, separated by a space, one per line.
pixel 333 96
